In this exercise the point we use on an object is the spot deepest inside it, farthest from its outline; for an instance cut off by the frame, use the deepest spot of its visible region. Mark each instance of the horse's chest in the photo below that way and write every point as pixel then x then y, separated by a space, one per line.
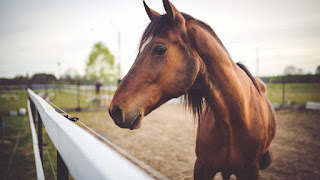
pixel 222 148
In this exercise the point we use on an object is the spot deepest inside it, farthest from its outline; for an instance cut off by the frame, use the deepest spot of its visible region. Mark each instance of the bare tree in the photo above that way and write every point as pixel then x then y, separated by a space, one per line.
pixel 318 70
pixel 290 70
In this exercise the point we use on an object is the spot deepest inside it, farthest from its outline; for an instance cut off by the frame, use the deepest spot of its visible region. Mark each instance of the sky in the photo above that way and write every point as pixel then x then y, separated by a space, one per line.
pixel 36 36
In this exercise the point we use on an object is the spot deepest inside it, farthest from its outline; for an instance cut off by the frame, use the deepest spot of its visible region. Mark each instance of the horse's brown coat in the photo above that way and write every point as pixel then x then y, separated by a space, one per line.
pixel 237 122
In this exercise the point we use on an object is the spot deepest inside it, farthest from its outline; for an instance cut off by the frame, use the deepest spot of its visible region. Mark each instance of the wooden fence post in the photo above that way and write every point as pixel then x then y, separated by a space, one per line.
pixel 62 169
pixel 40 141
pixel 33 110
pixel 78 97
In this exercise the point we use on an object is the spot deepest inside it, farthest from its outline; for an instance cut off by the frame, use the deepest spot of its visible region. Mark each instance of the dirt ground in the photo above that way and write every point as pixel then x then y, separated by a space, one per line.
pixel 166 142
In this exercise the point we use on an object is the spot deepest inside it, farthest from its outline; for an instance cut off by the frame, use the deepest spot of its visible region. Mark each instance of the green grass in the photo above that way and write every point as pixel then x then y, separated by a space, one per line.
pixel 49 153
pixel 12 100
pixel 104 92
pixel 67 100
pixel 296 93
pixel 22 166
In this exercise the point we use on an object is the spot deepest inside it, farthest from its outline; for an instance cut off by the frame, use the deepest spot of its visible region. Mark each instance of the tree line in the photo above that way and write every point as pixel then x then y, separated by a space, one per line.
pixel 102 69
pixel 294 75
pixel 43 78
pixel 300 78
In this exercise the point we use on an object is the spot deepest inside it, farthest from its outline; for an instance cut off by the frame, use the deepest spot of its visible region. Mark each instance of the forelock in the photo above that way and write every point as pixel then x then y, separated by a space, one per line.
pixel 159 25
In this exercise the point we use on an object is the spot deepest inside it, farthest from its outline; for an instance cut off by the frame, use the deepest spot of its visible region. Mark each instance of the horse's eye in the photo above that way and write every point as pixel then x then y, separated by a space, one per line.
pixel 159 50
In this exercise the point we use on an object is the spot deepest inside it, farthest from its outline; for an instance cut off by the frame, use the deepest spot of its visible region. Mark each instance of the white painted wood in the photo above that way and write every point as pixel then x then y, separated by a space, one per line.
pixel 37 159
pixel 85 156
pixel 313 105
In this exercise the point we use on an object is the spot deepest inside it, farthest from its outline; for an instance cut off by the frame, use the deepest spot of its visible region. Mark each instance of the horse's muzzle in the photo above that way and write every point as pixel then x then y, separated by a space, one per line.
pixel 125 120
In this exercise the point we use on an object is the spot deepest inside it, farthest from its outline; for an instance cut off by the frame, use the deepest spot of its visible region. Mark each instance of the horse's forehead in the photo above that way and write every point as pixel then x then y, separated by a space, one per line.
pixel 146 42
pixel 170 36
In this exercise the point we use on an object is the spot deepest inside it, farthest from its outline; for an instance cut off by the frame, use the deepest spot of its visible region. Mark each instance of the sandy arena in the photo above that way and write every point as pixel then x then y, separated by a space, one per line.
pixel 166 142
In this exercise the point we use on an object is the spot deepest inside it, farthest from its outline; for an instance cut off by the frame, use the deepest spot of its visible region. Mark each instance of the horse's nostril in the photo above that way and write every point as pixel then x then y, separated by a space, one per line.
pixel 116 114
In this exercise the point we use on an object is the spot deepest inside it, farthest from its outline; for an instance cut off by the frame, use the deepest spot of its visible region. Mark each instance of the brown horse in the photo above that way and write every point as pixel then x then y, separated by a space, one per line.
pixel 180 55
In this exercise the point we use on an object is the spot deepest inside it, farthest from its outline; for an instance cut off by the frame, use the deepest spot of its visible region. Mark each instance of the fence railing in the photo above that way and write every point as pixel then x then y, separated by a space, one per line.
pixel 36 149
pixel 78 152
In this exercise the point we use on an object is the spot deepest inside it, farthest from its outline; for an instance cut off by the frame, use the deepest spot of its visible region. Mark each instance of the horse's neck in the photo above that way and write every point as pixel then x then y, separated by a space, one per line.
pixel 220 76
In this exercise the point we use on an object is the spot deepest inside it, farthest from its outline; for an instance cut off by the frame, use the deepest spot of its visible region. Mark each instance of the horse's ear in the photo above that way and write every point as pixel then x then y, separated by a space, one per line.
pixel 172 11
pixel 151 13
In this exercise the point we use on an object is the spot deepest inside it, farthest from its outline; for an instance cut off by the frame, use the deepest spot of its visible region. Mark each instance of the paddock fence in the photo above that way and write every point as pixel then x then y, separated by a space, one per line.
pixel 78 152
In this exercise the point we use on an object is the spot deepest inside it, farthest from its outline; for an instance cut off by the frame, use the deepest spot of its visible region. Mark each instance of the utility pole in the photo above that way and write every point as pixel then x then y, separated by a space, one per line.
pixel 59 77
pixel 257 62
pixel 59 70
pixel 78 96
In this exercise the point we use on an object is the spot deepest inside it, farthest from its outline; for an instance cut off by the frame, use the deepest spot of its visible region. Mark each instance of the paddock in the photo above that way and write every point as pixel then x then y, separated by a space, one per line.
pixel 166 142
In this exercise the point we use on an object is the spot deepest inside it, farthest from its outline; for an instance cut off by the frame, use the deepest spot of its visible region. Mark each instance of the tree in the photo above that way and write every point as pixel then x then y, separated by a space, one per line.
pixel 71 76
pixel 100 65
pixel 318 70
pixel 290 70
pixel 18 80
pixel 43 78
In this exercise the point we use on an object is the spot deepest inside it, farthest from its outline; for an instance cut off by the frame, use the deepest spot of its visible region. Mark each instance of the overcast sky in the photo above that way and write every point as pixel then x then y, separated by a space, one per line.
pixel 36 35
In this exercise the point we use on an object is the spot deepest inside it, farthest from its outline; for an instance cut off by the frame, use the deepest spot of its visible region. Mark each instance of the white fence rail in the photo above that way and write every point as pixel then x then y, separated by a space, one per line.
pixel 85 156
pixel 35 144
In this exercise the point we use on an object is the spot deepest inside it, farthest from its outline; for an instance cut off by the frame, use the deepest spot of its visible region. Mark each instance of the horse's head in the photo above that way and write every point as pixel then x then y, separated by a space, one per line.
pixel 165 68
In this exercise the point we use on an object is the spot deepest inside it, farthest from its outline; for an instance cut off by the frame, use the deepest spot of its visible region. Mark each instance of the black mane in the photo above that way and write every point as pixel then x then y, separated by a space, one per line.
pixel 244 68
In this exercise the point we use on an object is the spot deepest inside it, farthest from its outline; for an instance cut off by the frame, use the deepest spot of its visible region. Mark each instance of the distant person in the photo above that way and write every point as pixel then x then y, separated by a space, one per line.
pixel 98 86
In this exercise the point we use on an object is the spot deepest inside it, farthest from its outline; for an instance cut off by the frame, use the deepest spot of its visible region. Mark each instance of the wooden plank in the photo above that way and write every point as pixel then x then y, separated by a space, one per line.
pixel 85 156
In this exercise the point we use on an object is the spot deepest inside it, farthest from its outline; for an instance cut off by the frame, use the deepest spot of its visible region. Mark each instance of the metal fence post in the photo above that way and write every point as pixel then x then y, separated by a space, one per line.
pixel 40 141
pixel 62 169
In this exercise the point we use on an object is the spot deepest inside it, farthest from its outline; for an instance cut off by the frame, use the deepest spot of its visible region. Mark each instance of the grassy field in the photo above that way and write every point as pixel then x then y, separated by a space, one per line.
pixel 13 100
pixel 295 93
pixel 16 154
pixel 298 93
pixel 67 100
pixel 105 92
